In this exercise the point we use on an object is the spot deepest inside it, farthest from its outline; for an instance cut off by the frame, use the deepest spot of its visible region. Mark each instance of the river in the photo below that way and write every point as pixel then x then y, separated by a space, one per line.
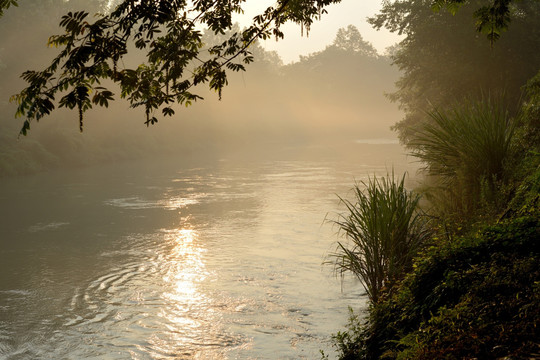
pixel 176 259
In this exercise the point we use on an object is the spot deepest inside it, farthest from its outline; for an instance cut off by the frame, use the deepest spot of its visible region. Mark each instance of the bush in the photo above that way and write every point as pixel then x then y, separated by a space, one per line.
pixel 383 230
pixel 476 297
pixel 466 150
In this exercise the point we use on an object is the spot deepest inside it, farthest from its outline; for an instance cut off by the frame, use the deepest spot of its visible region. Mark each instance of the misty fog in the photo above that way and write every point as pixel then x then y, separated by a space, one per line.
pixel 330 98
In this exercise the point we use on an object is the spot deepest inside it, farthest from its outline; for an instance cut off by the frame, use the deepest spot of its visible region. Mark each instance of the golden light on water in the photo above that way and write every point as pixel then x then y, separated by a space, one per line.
pixel 189 269
pixel 193 327
pixel 185 271
pixel 179 202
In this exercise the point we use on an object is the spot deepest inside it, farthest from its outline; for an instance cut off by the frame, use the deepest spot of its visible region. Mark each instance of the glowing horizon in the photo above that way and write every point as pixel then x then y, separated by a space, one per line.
pixel 323 32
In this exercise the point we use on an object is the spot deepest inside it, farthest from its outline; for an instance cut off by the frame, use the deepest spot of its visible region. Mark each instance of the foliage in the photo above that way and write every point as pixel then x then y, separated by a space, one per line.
pixel 349 39
pixel 526 158
pixel 474 295
pixel 491 19
pixel 348 342
pixel 167 33
pixel 477 297
pixel 467 149
pixel 384 231
pixel 526 201
pixel 443 61
pixel 530 134
pixel 6 4
pixel 304 96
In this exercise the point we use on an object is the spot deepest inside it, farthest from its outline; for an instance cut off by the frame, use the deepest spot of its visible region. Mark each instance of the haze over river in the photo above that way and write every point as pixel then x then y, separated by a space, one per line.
pixel 177 259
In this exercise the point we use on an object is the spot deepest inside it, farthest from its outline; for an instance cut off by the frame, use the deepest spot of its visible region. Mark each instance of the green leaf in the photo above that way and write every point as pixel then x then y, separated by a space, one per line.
pixel 25 128
pixel 168 111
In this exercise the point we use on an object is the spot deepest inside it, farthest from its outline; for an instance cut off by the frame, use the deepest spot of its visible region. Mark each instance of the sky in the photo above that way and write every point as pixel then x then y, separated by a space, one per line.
pixel 324 31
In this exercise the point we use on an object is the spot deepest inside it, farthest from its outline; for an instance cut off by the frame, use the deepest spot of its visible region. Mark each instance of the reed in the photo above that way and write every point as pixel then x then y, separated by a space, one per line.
pixel 465 151
pixel 383 230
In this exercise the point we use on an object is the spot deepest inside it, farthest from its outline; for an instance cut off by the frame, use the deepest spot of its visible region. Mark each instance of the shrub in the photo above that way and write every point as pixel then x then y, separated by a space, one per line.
pixel 466 150
pixel 476 297
pixel 383 229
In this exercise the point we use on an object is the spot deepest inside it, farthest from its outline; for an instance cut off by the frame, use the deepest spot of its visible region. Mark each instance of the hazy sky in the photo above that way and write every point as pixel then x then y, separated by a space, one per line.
pixel 323 32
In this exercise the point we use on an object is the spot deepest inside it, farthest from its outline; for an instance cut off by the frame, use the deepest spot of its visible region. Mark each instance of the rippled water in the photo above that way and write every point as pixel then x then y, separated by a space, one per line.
pixel 158 261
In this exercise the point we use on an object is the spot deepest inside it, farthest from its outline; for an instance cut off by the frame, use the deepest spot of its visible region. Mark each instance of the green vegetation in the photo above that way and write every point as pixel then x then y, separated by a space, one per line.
pixel 166 34
pixel 272 106
pixel 473 291
pixel 442 62
pixel 5 4
pixel 466 152
pixel 474 295
pixel 384 231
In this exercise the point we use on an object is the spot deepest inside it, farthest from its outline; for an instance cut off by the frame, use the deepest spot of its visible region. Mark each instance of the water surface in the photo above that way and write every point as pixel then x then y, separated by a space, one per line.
pixel 168 259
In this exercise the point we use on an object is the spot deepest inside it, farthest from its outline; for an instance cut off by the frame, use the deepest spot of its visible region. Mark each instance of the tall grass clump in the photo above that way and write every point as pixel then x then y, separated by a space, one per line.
pixel 465 151
pixel 383 230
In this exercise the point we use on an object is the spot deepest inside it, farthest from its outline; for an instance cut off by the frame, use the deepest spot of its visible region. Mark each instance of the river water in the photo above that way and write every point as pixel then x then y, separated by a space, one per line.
pixel 174 259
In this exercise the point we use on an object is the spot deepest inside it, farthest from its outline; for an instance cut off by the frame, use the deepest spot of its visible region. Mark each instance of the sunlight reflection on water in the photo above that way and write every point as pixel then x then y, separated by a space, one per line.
pixel 221 262
pixel 192 325
pixel 185 271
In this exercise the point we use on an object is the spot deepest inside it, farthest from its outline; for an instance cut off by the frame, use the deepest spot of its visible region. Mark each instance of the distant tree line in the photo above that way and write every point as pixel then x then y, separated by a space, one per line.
pixel 333 94
pixel 166 33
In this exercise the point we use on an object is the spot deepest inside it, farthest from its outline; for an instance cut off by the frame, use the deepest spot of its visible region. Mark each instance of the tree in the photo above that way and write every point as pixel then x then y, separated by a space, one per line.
pixel 176 61
pixel 349 39
pixel 491 19
pixel 443 60
pixel 167 33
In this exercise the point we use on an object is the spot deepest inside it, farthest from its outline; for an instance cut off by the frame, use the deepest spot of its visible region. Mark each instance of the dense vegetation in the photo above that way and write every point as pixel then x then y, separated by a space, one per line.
pixel 442 61
pixel 472 116
pixel 473 290
pixel 473 297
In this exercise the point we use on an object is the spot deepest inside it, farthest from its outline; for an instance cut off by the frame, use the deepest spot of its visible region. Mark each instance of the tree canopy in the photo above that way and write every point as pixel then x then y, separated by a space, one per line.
pixel 176 58
pixel 328 97
pixel 349 39
pixel 5 4
pixel 168 34
pixel 443 61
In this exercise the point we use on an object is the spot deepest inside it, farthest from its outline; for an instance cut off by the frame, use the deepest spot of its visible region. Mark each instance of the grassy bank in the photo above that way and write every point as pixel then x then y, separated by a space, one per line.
pixel 473 291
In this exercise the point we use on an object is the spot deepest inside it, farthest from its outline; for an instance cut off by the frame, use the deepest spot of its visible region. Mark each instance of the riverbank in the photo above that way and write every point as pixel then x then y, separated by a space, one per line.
pixel 473 291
